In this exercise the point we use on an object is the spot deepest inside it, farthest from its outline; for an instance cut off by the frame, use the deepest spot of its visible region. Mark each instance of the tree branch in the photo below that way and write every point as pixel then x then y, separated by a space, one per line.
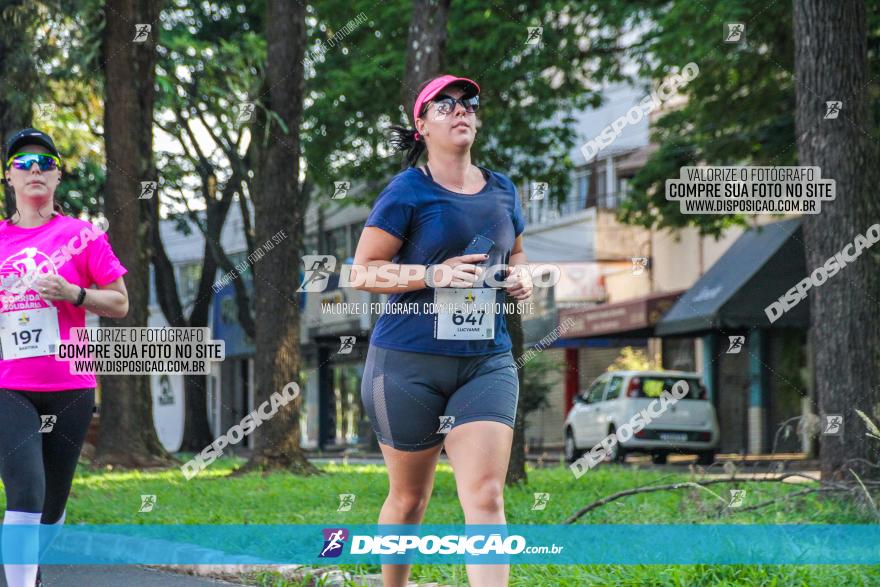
pixel 672 486
pixel 784 498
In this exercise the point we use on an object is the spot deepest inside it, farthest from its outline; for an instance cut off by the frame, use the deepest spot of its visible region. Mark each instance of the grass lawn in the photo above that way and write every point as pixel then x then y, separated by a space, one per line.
pixel 109 497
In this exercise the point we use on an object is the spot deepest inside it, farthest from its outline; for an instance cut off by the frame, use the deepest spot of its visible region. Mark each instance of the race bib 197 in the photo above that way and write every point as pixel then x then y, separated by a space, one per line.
pixel 28 333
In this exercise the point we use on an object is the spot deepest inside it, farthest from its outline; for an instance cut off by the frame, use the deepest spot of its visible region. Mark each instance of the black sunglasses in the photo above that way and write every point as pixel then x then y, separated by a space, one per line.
pixel 446 104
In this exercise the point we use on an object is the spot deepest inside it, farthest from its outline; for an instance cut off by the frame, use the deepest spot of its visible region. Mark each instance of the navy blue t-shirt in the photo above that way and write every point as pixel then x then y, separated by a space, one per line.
pixel 435 224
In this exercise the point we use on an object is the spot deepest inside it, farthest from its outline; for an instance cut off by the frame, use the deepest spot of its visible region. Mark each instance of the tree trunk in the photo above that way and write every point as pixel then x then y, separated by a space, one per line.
pixel 18 77
pixel 831 63
pixel 196 428
pixel 516 467
pixel 277 207
pixel 425 47
pixel 127 435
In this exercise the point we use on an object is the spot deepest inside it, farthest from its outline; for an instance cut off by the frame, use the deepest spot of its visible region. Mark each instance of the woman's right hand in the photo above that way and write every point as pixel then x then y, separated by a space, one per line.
pixel 458 271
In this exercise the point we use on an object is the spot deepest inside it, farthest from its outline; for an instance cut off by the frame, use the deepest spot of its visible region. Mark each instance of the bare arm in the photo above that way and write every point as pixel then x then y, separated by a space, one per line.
pixel 376 248
pixel 109 300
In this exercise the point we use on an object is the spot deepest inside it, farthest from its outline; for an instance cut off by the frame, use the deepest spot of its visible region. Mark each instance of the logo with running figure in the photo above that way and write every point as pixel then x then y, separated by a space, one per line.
pixel 148 189
pixel 245 112
pixel 539 190
pixel 737 497
pixel 20 271
pixel 346 501
pixel 340 189
pixel 736 344
pixel 541 500
pixel 334 541
pixel 734 32
pixel 47 423
pixel 317 272
pixel 833 425
pixel 141 33
pixel 446 423
pixel 148 502
pixel 534 35
pixel 832 109
pixel 346 345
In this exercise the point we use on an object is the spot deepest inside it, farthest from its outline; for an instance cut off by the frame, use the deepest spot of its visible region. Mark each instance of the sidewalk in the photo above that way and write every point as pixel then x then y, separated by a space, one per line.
pixel 116 575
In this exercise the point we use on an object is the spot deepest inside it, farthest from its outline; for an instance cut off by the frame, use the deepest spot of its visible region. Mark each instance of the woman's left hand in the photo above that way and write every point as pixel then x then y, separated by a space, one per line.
pixel 518 282
pixel 56 289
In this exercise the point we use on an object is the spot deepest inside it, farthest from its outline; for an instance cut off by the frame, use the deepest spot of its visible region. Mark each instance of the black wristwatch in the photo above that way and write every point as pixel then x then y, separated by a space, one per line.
pixel 81 297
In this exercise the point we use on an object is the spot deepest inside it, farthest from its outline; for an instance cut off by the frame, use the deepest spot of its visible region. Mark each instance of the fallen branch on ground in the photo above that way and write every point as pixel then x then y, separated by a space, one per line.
pixel 673 486
pixel 786 497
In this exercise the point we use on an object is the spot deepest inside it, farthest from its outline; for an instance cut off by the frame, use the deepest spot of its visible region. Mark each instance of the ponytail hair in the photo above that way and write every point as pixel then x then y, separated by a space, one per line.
pixel 408 140
pixel 404 139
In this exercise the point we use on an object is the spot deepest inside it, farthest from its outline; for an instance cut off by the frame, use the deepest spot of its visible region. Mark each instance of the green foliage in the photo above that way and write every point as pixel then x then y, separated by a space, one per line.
pixel 740 108
pixel 528 91
pixel 211 62
pixel 632 359
pixel 540 374
pixel 53 52
pixel 109 497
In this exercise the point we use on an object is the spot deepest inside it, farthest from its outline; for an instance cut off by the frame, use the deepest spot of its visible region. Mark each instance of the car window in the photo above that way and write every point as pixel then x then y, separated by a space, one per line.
pixel 614 388
pixel 654 386
pixel 596 391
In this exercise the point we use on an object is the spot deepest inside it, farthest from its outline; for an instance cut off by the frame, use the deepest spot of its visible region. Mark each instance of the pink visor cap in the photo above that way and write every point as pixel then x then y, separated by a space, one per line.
pixel 435 85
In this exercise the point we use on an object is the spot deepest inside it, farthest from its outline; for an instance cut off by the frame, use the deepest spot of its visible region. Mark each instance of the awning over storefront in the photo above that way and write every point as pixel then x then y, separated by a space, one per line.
pixel 756 270
pixel 631 318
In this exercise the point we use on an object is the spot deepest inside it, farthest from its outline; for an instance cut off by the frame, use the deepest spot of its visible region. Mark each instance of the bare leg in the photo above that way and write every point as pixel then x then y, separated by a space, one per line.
pixel 479 453
pixel 411 480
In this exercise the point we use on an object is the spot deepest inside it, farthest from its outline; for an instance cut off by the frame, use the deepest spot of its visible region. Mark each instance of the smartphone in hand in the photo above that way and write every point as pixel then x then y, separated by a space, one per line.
pixel 480 245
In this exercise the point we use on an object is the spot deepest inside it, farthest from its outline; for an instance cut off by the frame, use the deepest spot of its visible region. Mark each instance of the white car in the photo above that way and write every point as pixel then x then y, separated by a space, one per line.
pixel 686 426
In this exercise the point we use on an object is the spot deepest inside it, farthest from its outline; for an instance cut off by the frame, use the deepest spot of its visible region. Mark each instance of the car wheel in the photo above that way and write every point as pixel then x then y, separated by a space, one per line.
pixel 706 457
pixel 617 453
pixel 659 458
pixel 572 452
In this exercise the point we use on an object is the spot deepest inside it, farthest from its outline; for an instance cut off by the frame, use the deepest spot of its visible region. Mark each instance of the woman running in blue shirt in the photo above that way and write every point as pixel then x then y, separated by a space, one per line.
pixel 435 378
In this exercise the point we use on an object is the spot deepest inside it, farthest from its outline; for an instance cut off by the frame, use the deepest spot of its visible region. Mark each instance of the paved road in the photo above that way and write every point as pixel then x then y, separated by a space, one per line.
pixel 116 576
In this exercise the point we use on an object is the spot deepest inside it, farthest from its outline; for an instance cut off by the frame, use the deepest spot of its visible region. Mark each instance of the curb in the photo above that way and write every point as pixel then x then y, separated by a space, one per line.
pixel 234 573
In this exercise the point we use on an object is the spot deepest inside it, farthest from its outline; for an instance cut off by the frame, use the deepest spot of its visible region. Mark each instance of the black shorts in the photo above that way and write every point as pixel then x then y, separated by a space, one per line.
pixel 414 399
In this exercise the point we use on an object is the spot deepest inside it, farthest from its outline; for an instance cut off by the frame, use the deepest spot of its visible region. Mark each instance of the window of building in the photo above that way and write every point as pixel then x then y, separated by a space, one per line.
pixel 621 187
pixel 582 187
pixel 601 186
pixel 538 210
